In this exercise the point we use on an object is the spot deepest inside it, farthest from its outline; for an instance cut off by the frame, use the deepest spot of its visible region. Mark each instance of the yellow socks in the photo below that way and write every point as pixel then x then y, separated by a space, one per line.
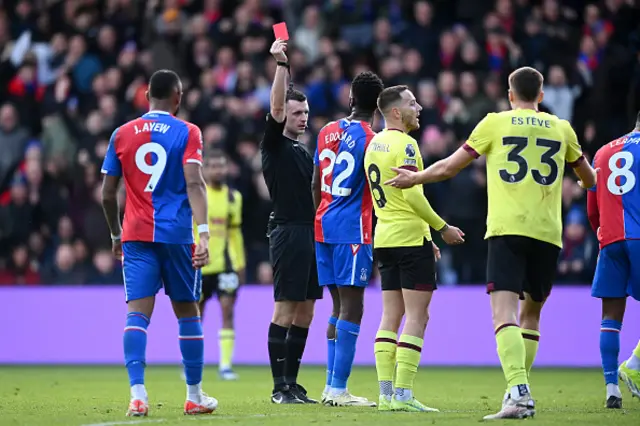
pixel 512 353
pixel 385 352
pixel 531 342
pixel 226 341
pixel 409 351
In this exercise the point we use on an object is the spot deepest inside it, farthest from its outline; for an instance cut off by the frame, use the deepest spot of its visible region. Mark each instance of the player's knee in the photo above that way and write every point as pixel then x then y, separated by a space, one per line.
pixel 283 313
pixel 391 319
pixel 304 314
pixel 352 311
pixel 613 309
pixel 418 318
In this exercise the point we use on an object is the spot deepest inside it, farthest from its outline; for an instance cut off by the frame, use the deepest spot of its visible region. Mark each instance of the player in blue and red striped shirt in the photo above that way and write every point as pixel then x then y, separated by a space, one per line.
pixel 343 230
pixel 160 158
pixel 614 213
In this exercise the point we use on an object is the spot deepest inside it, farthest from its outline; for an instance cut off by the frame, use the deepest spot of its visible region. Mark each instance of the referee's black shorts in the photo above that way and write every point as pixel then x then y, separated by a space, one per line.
pixel 292 253
pixel 521 265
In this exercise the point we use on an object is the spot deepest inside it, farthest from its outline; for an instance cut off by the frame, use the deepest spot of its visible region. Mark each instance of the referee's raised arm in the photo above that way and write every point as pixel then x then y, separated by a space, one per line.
pixel 279 87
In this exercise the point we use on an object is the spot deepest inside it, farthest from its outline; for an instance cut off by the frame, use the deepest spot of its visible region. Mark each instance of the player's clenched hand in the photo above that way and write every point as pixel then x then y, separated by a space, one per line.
pixel 436 251
pixel 116 248
pixel 201 254
pixel 405 179
pixel 452 235
pixel 278 49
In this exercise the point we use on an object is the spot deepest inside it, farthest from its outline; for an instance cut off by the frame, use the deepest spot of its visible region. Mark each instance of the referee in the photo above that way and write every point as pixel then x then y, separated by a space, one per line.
pixel 288 168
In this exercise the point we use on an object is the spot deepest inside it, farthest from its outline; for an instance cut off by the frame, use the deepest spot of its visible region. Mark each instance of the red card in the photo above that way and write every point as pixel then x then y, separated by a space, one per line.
pixel 280 31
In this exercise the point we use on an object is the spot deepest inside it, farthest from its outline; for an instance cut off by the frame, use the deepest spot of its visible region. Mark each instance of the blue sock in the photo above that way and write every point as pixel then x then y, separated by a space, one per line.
pixel 346 338
pixel 609 349
pixel 135 346
pixel 331 352
pixel 192 348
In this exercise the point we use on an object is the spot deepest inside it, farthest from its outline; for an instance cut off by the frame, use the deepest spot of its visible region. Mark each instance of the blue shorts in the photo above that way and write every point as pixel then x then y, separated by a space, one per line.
pixel 344 264
pixel 618 271
pixel 146 267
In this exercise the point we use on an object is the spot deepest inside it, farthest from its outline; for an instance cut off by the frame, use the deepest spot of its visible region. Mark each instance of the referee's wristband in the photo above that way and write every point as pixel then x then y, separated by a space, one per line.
pixel 444 228
pixel 116 237
pixel 203 229
pixel 283 64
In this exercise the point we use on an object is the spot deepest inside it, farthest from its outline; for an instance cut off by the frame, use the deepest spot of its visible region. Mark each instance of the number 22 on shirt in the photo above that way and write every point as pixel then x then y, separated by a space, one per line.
pixel 334 188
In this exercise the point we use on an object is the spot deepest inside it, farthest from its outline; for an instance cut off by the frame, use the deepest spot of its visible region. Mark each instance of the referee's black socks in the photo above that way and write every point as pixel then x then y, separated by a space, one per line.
pixel 295 343
pixel 277 343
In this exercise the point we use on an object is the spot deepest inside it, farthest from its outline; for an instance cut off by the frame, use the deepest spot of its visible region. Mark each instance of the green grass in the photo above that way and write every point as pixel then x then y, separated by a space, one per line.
pixel 77 396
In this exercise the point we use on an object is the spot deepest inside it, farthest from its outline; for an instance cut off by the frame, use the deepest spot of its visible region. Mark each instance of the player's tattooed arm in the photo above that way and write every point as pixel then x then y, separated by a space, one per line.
pixel 110 204
pixel 315 187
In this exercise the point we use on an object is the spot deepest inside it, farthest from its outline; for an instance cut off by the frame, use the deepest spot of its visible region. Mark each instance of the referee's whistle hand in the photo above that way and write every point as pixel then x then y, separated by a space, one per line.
pixel 453 235
pixel 405 179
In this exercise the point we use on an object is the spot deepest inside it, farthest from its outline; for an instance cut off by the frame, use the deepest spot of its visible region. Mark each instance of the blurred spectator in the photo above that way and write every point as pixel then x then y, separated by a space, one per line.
pixel 71 72
pixel 576 263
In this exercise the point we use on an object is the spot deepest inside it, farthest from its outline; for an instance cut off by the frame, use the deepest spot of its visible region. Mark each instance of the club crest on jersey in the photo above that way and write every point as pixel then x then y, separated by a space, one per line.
pixel 410 150
pixel 355 248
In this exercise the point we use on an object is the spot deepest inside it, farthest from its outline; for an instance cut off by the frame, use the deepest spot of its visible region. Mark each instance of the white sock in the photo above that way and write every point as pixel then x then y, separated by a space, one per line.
pixel 194 392
pixel 518 391
pixel 403 394
pixel 613 390
pixel 139 392
pixel 634 363
pixel 336 391
pixel 327 389
pixel 506 396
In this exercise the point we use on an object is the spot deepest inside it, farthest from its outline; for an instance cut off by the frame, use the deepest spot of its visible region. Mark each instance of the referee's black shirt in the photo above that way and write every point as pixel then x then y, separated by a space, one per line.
pixel 287 168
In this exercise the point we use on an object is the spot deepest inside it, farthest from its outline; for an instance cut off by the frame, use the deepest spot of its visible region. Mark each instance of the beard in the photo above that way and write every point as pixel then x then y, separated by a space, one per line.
pixel 410 122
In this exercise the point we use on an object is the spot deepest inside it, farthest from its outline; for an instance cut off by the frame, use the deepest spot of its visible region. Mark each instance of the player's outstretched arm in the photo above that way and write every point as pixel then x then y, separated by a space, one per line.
pixel 279 87
pixel 439 171
pixel 421 206
pixel 587 174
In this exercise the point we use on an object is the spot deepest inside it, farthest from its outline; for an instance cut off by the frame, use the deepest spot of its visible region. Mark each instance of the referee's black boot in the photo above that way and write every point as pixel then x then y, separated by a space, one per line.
pixel 301 393
pixel 284 396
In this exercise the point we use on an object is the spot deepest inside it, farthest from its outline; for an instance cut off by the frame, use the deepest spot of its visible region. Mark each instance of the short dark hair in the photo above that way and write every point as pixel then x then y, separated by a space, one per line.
pixel 295 95
pixel 163 83
pixel 526 83
pixel 390 96
pixel 638 120
pixel 365 89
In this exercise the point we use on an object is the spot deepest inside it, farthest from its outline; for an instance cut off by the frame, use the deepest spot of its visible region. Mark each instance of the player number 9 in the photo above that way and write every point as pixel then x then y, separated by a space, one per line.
pixel 374 182
pixel 153 170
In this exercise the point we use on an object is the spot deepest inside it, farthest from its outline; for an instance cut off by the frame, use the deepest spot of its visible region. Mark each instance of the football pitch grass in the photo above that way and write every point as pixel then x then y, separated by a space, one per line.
pixel 98 396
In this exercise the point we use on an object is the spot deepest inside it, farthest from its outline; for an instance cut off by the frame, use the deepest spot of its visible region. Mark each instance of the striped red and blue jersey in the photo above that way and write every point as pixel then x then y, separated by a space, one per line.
pixel 614 203
pixel 149 153
pixel 345 211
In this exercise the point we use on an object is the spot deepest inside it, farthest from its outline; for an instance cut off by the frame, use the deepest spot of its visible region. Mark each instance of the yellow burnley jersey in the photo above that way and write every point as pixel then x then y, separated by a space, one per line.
pixel 226 248
pixel 526 153
pixel 398 225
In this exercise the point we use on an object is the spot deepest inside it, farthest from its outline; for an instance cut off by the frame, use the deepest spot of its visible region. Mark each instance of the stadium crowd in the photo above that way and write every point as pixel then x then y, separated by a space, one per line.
pixel 72 71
